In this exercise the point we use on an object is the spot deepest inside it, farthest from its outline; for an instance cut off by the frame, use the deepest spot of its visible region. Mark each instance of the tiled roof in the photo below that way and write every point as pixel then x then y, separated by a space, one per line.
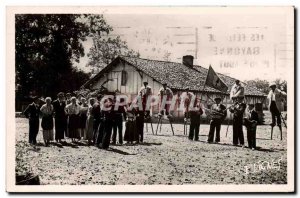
pixel 176 75
pixel 229 81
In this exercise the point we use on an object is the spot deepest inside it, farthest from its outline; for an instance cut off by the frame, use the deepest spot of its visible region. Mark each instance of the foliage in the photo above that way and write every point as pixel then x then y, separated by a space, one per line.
pixel 46 46
pixel 263 85
pixel 105 50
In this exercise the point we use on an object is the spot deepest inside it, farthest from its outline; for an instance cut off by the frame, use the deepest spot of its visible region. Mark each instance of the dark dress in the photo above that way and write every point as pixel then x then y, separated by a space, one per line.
pixel 73 126
pixel 47 122
pixel 140 120
pixel 60 119
pixel 131 133
pixel 83 117
pixel 73 121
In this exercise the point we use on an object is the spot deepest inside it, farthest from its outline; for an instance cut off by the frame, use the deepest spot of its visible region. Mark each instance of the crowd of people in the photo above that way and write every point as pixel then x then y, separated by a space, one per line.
pixel 99 123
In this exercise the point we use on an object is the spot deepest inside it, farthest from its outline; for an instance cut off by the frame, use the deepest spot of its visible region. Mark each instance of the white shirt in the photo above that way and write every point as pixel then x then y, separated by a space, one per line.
pixel 146 90
pixel 73 109
pixel 47 109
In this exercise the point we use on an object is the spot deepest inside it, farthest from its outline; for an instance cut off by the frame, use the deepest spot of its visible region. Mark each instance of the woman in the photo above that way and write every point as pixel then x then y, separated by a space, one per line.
pixel 72 111
pixel 83 117
pixel 89 132
pixel 47 121
pixel 131 133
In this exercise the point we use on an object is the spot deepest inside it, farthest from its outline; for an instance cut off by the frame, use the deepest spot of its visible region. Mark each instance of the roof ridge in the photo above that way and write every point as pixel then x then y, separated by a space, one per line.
pixel 151 59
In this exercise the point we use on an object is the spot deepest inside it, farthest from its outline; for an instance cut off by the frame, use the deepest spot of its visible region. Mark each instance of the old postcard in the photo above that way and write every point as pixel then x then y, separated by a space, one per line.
pixel 150 99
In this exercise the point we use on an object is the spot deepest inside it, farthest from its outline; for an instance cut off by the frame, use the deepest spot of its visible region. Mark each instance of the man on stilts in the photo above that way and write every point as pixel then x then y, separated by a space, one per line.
pixel 275 98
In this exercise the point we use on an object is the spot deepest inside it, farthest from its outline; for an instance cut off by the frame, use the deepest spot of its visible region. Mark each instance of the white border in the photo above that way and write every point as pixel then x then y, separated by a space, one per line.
pixel 126 188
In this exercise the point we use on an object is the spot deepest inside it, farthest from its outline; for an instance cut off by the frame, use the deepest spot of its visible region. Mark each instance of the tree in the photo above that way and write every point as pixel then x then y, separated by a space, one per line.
pixel 281 84
pixel 261 85
pixel 106 49
pixel 46 47
pixel 264 86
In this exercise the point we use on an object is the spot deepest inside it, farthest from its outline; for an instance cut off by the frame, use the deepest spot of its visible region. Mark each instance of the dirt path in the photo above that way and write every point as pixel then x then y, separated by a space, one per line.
pixel 163 159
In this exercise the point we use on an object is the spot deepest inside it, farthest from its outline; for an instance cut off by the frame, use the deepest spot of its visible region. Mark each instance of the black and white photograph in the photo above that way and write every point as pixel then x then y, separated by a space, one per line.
pixel 150 99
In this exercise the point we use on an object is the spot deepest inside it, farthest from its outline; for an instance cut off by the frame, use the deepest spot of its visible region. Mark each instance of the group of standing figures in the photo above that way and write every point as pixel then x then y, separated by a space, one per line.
pixel 77 119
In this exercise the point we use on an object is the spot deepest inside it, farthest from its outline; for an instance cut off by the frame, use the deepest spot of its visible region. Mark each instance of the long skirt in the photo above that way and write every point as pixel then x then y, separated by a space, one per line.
pixel 48 135
pixel 89 132
pixel 47 122
pixel 73 126
pixel 131 133
pixel 82 124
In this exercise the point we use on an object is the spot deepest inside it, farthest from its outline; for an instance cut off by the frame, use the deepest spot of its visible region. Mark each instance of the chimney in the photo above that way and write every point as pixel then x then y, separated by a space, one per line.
pixel 188 60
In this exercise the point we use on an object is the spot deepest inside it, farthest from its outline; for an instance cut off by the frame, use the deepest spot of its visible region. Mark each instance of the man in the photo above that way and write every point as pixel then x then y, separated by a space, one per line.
pixel 237 90
pixel 251 121
pixel 166 94
pixel 145 92
pixel 68 98
pixel 275 98
pixel 218 114
pixel 195 115
pixel 119 116
pixel 32 112
pixel 60 117
pixel 108 116
pixel 238 110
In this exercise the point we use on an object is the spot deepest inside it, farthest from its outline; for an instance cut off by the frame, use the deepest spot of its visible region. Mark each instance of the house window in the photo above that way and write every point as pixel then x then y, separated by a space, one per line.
pixel 124 78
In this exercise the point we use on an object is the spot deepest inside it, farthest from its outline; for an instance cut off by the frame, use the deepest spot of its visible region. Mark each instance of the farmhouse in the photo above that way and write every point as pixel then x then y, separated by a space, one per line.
pixel 127 74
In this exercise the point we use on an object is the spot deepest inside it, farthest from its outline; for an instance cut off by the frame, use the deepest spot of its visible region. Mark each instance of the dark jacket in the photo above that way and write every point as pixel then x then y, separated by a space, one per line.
pixel 96 111
pixel 218 112
pixel 32 111
pixel 238 110
pixel 59 109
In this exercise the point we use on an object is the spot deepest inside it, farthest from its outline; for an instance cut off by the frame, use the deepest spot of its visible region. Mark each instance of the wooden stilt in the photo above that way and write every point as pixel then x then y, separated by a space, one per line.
pixel 159 119
pixel 151 127
pixel 272 132
pixel 171 126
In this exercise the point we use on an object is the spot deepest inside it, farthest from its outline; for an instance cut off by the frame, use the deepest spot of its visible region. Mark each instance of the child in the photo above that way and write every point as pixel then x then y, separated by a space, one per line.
pixel 251 122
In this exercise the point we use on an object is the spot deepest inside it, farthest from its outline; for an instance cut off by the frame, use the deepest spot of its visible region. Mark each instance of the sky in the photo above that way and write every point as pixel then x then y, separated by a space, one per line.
pixel 245 43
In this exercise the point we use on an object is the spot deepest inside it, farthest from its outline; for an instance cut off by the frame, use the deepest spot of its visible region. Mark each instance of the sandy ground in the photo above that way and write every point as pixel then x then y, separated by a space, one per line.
pixel 162 159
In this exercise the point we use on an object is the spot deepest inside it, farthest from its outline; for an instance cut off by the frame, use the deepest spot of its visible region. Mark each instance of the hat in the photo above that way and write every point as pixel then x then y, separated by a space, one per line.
pixel 218 98
pixel 145 82
pixel 272 84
